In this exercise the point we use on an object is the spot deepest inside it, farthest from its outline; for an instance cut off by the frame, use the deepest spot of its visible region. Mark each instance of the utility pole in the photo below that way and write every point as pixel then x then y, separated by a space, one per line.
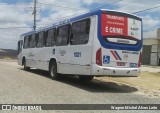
pixel 35 13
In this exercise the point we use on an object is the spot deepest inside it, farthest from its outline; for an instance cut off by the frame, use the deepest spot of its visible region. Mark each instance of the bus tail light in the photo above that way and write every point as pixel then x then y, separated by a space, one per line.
pixel 99 57
pixel 140 59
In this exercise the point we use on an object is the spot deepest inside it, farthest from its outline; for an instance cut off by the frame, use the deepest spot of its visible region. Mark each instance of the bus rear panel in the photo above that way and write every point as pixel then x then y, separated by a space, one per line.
pixel 118 52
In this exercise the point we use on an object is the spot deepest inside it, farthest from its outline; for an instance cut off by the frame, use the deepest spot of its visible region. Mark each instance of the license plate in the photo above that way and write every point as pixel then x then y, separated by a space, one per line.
pixel 121 63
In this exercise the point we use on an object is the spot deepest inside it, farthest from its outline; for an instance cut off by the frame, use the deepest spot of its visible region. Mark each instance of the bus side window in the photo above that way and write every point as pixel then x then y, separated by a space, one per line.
pixel 45 38
pixel 29 41
pixel 80 32
pixel 63 33
pixel 50 37
pixel 19 48
pixel 33 40
pixel 36 40
pixel 25 45
pixel 20 44
pixel 40 42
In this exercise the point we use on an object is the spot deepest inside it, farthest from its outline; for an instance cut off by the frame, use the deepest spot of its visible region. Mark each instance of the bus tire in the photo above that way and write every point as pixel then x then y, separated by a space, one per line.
pixel 86 78
pixel 26 68
pixel 53 71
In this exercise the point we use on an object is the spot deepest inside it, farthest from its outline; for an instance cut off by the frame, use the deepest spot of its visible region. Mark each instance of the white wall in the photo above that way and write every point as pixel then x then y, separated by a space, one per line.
pixel 151 34
pixel 150 41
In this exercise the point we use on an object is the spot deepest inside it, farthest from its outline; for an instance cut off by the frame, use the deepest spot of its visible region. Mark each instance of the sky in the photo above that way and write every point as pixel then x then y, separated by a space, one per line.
pixel 16 16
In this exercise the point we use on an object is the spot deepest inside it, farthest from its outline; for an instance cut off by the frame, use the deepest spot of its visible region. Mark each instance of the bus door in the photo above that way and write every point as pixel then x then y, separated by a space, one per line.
pixel 32 51
pixel 62 41
pixel 81 46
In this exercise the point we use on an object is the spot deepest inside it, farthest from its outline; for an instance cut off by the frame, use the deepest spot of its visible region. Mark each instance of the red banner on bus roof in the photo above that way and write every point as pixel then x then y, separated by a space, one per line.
pixel 114 25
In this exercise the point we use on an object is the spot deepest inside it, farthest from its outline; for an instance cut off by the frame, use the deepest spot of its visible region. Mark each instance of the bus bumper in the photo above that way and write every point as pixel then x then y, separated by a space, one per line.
pixel 114 71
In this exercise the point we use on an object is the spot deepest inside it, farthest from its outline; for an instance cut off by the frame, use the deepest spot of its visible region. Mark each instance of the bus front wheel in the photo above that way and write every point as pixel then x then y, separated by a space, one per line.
pixel 53 71
pixel 86 78
pixel 25 67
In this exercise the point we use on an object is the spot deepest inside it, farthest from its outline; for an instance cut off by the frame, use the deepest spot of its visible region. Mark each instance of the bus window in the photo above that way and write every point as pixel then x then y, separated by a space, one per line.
pixel 33 41
pixel 80 32
pixel 40 42
pixel 25 46
pixel 20 44
pixel 19 47
pixel 63 35
pixel 50 37
pixel 29 41
pixel 36 40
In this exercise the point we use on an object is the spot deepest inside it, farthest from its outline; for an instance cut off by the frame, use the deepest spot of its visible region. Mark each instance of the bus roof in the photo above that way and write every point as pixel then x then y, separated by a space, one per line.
pixel 78 17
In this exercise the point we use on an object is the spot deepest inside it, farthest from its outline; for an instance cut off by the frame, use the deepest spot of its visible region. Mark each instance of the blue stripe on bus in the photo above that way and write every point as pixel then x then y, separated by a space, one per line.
pixel 117 55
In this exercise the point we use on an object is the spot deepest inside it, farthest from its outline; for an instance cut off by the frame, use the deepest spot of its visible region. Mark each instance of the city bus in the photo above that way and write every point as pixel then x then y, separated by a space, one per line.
pixel 97 43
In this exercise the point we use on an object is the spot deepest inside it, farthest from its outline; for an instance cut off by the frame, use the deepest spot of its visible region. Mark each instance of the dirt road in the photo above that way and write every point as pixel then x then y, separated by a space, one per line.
pixel 153 69
pixel 35 87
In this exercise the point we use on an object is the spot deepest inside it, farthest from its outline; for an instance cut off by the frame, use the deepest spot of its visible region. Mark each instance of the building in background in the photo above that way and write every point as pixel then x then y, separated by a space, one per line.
pixel 151 48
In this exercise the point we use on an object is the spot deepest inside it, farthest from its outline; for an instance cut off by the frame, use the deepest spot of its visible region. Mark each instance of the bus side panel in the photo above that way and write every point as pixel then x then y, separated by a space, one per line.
pixel 96 46
pixel 32 57
pixel 44 55
pixel 63 58
pixel 80 55
pixel 40 54
pixel 19 59
pixel 25 53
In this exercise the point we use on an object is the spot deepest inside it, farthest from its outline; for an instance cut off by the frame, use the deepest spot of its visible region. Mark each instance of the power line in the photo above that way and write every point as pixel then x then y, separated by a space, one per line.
pixel 131 1
pixel 17 21
pixel 83 11
pixel 86 11
pixel 22 3
pixel 73 15
pixel 64 17
pixel 146 9
pixel 15 27
pixel 55 5
pixel 11 5
pixel 70 3
pixel 15 5
pixel 106 5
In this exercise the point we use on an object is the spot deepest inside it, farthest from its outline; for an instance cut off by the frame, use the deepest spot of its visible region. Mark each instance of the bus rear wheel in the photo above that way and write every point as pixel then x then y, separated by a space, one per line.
pixel 53 71
pixel 86 78
pixel 25 67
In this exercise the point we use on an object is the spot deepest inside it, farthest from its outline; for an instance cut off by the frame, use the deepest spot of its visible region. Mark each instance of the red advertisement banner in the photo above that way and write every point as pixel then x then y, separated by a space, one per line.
pixel 114 25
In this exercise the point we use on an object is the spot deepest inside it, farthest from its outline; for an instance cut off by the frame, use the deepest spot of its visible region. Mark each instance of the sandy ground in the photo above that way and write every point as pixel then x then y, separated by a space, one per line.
pixel 153 69
pixel 148 82
pixel 35 87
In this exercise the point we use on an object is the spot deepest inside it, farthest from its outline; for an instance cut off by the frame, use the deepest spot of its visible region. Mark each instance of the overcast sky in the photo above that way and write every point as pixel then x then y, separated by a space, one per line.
pixel 16 15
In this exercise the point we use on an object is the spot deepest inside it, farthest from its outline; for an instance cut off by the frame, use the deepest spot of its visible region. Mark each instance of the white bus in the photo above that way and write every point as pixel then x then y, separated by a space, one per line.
pixel 98 43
